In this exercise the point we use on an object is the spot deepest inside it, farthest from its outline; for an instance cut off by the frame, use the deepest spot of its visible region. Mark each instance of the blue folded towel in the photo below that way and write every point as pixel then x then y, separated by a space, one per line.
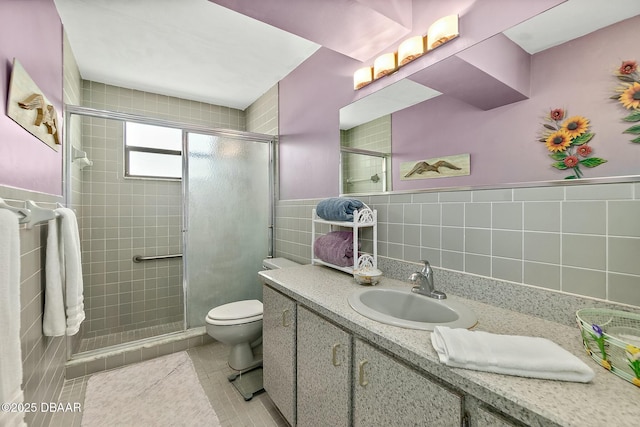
pixel 335 247
pixel 338 208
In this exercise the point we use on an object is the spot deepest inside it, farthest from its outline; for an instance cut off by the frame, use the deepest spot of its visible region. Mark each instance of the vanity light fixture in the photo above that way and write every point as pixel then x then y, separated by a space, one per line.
pixel 441 31
pixel 362 77
pixel 384 64
pixel 410 49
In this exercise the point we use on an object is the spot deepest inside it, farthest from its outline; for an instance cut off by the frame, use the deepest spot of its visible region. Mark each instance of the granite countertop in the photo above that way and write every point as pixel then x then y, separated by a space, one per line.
pixel 607 400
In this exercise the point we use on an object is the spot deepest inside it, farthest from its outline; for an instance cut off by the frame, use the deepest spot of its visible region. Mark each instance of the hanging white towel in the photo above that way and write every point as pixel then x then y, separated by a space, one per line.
pixel 54 323
pixel 71 271
pixel 10 350
pixel 508 354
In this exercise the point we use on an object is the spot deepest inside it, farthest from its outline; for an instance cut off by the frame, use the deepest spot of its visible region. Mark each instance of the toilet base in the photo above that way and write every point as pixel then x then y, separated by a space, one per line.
pixel 241 357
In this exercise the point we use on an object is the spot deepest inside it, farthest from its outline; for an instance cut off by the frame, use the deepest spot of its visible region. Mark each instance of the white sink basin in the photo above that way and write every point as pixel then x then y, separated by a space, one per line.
pixel 409 310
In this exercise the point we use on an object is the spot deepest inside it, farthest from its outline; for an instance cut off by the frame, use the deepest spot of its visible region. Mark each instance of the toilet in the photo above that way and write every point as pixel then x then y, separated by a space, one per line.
pixel 240 324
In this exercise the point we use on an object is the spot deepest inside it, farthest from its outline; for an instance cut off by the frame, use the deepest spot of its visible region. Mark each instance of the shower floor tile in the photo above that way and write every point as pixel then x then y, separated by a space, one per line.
pixel 88 344
pixel 210 362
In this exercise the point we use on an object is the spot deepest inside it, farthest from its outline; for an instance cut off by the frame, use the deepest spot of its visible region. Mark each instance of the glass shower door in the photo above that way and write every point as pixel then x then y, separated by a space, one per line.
pixel 227 200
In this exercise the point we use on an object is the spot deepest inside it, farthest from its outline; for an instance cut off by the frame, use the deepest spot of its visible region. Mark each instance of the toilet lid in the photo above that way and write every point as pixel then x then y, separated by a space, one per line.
pixel 236 310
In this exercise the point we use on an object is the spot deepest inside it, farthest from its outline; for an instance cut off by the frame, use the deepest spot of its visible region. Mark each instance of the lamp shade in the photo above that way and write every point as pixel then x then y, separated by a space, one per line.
pixel 362 77
pixel 410 49
pixel 384 64
pixel 441 31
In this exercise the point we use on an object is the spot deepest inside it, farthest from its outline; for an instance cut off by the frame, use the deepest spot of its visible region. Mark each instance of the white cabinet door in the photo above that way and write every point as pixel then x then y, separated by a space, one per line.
pixel 389 393
pixel 279 351
pixel 324 372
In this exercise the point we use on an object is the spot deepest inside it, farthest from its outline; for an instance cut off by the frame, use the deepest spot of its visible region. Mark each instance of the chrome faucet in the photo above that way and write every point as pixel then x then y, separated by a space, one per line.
pixel 423 282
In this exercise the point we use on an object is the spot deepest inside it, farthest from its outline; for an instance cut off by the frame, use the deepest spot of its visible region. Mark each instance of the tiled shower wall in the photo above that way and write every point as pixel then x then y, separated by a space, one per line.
pixel 580 239
pixel 123 218
pixel 126 217
pixel 262 115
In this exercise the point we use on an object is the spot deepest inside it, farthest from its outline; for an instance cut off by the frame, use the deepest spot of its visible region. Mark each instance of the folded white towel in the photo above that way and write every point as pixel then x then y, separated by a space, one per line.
pixel 10 350
pixel 508 354
pixel 54 323
pixel 72 271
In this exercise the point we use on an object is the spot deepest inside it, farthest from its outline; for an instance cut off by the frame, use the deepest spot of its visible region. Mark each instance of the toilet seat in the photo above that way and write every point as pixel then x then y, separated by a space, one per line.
pixel 235 313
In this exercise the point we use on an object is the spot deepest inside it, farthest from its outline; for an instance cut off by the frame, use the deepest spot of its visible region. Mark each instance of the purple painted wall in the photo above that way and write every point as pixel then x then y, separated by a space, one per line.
pixel 309 141
pixel 310 97
pixel 577 76
pixel 30 31
pixel 483 79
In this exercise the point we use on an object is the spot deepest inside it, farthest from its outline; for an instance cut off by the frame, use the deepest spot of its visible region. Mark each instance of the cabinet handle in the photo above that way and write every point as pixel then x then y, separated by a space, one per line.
pixel 361 378
pixel 284 318
pixel 334 355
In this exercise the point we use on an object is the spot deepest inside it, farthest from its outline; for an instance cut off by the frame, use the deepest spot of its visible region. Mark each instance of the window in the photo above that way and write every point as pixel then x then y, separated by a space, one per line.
pixel 152 151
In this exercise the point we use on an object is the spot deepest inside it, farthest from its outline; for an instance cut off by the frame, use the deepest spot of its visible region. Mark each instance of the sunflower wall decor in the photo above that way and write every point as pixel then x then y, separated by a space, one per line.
pixel 628 93
pixel 568 142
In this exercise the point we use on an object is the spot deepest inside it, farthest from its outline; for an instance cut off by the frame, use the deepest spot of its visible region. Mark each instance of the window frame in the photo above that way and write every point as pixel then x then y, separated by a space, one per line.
pixel 129 148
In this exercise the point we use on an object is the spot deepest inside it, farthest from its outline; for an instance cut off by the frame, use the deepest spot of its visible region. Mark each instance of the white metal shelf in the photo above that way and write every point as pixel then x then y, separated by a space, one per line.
pixel 363 218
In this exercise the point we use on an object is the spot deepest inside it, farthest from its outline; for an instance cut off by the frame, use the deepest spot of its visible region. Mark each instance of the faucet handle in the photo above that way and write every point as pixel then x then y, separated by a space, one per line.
pixel 426 267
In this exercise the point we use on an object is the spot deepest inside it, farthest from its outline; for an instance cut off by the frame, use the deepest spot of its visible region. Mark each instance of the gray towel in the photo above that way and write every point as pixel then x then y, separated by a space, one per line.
pixel 335 247
pixel 338 208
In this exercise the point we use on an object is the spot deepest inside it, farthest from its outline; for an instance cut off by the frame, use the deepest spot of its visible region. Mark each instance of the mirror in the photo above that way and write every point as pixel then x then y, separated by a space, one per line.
pixel 365 125
pixel 490 102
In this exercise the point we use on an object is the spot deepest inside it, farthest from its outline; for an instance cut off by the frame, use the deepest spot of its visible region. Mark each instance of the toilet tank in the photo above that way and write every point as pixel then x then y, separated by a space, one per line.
pixel 276 263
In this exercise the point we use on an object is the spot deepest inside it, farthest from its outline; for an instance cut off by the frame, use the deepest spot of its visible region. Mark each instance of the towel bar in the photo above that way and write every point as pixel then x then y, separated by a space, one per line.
pixel 39 214
pixel 24 214
pixel 31 214
pixel 140 258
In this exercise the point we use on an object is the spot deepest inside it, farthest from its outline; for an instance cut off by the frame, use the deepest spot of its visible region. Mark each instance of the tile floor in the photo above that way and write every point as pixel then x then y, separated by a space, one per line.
pixel 102 341
pixel 210 362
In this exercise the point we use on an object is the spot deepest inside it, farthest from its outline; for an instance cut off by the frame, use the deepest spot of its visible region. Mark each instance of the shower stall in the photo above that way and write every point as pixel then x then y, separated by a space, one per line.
pixel 159 253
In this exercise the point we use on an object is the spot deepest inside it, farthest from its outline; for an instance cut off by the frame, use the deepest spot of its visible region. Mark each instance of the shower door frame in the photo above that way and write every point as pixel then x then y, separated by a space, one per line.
pixel 237 135
pixel 186 128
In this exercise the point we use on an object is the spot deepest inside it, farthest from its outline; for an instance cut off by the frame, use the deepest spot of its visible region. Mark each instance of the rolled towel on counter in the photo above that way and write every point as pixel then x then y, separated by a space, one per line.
pixel 338 208
pixel 335 247
pixel 522 356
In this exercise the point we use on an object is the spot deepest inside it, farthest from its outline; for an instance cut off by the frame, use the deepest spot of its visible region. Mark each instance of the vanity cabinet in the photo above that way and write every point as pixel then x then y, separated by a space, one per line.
pixel 324 372
pixel 279 351
pixel 317 373
pixel 389 393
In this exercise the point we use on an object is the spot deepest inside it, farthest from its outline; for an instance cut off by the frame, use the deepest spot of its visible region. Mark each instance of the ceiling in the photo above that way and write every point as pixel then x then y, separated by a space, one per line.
pixel 191 49
pixel 199 50
pixel 569 20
